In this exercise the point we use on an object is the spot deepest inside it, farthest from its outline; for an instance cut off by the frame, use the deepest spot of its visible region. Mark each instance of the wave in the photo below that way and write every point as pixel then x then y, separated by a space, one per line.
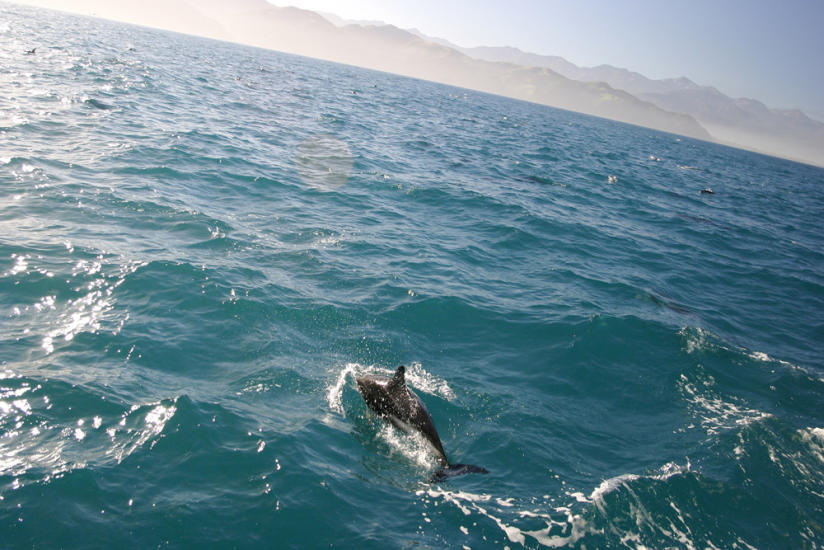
pixel 577 522
pixel 81 295
pixel 41 443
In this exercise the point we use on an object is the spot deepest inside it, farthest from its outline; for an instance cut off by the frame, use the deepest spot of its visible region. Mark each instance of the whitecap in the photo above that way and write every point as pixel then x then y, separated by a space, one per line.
pixel 610 485
pixel 714 412
pixel 695 339
pixel 814 438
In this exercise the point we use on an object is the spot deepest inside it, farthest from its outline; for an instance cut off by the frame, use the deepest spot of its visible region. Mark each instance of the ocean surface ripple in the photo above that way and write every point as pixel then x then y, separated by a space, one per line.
pixel 202 243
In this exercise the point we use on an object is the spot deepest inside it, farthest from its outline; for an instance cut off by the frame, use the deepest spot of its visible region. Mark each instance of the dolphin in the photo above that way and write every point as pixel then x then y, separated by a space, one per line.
pixel 392 400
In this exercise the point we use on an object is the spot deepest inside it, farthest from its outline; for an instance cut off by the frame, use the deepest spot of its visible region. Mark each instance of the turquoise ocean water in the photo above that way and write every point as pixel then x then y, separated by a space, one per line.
pixel 201 243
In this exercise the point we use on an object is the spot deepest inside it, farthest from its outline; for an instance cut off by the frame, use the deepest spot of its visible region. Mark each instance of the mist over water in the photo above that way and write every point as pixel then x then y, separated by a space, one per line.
pixel 201 244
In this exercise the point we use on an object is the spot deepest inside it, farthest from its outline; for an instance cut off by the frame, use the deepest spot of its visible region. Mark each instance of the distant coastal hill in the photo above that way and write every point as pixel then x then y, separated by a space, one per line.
pixel 676 105
pixel 742 122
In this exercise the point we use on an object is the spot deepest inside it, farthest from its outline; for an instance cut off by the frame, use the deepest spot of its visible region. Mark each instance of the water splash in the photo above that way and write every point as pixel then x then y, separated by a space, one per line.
pixel 416 377
pixel 334 391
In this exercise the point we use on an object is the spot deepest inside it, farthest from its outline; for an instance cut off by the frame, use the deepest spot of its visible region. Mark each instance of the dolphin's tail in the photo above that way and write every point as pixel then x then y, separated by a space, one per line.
pixel 452 470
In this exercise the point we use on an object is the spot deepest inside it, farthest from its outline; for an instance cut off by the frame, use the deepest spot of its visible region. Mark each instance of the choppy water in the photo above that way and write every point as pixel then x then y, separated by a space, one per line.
pixel 201 243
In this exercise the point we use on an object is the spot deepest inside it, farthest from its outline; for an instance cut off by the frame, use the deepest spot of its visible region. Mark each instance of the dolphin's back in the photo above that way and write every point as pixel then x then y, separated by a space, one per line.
pixel 422 421
pixel 393 400
pixel 402 407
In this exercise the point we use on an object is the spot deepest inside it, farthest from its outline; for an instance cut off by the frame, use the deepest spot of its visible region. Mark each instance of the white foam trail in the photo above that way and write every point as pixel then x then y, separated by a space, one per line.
pixel 574 526
pixel 764 358
pixel 715 413
pixel 470 503
pixel 698 339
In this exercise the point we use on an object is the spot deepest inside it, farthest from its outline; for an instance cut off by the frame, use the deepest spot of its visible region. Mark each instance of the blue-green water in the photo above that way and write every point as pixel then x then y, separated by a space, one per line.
pixel 201 243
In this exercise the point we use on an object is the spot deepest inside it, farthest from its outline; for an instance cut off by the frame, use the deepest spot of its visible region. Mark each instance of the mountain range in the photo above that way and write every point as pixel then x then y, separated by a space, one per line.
pixel 678 106
pixel 742 122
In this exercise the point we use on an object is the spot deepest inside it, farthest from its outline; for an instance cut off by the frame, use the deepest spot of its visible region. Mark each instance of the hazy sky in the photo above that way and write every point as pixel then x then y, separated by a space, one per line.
pixel 770 50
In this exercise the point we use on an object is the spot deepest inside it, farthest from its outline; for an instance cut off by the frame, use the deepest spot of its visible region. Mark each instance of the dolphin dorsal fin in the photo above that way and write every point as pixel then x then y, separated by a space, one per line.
pixel 398 381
